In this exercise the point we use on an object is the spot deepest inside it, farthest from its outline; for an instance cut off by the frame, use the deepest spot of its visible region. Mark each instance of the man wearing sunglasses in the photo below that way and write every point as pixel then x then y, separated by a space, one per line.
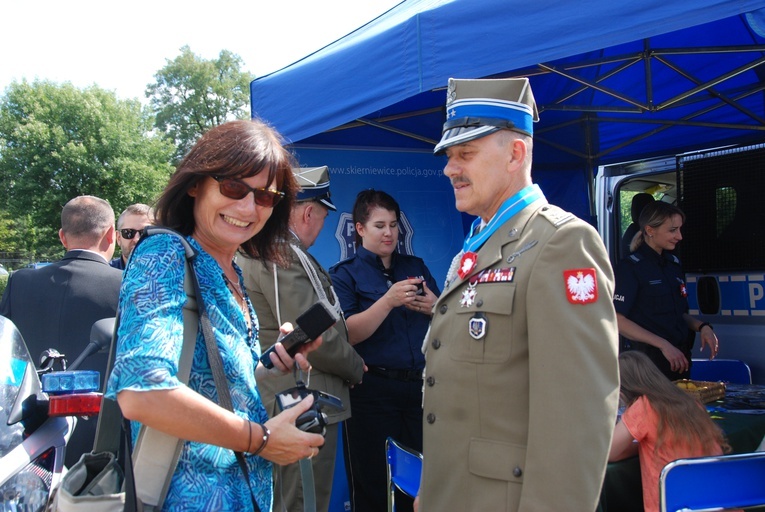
pixel 280 295
pixel 129 226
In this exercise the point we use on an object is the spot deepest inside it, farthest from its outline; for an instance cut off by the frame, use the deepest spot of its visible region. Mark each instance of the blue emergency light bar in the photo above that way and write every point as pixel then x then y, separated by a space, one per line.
pixel 64 383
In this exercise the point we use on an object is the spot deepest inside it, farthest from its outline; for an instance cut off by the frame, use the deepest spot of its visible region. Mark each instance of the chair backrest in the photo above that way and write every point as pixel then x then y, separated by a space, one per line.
pixel 404 469
pixel 726 370
pixel 709 483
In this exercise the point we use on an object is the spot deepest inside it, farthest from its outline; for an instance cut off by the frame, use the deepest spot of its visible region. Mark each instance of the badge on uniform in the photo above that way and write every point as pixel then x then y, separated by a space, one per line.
pixel 478 326
pixel 467 264
pixel 581 285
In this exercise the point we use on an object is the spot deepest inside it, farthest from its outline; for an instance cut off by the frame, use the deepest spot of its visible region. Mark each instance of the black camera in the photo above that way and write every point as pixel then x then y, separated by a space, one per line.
pixel 313 420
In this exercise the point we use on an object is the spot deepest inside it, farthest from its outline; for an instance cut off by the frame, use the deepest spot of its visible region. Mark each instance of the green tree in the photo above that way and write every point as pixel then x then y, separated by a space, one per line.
pixel 191 95
pixel 58 142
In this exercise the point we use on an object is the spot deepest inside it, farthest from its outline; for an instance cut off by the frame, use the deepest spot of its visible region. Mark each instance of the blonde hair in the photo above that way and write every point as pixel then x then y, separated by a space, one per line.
pixel 683 419
pixel 654 215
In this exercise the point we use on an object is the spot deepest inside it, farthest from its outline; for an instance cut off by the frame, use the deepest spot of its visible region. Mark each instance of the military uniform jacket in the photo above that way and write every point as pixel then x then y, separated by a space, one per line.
pixel 335 364
pixel 519 409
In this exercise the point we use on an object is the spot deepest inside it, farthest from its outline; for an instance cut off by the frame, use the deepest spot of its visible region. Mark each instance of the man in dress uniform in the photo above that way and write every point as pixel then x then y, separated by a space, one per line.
pixel 521 376
pixel 280 295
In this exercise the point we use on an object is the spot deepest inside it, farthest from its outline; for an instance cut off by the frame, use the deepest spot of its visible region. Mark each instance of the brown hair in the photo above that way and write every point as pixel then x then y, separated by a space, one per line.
pixel 682 417
pixel 236 149
pixel 654 215
pixel 366 201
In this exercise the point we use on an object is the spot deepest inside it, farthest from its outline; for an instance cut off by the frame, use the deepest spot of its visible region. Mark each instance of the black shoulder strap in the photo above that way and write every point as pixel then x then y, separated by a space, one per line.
pixel 213 354
pixel 110 417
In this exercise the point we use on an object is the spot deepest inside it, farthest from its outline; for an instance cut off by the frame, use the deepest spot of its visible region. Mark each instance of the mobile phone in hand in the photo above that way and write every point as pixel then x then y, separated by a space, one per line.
pixel 308 326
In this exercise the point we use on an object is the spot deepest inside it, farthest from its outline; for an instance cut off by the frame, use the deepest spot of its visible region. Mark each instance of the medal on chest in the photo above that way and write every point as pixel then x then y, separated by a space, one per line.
pixel 468 296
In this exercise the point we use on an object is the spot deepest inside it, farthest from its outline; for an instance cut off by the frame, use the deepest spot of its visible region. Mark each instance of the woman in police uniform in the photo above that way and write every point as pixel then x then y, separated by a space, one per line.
pixel 387 298
pixel 651 298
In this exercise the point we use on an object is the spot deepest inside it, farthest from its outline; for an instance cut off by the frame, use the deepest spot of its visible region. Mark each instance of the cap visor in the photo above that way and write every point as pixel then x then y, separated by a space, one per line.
pixel 326 202
pixel 454 136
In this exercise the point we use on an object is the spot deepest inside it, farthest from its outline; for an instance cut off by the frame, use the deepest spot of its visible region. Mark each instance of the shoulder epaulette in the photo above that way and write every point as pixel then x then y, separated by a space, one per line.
pixel 557 216
pixel 341 262
pixel 635 257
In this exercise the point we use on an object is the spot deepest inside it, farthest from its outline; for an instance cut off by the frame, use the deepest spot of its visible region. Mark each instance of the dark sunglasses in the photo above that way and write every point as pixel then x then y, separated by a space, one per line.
pixel 236 189
pixel 128 233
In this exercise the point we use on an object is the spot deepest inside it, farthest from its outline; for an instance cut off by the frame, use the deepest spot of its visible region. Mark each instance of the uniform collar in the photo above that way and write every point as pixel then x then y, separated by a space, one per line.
pixel 663 258
pixel 374 259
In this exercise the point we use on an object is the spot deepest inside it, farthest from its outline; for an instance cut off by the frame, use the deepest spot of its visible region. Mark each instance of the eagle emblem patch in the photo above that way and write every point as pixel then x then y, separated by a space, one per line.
pixel 581 285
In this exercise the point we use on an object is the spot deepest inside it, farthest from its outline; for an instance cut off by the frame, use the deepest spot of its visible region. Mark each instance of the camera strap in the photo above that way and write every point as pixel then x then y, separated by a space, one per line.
pixel 306 467
pixel 309 487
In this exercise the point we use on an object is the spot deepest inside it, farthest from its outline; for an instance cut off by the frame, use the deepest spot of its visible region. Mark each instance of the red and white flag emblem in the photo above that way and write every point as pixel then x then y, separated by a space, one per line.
pixel 581 285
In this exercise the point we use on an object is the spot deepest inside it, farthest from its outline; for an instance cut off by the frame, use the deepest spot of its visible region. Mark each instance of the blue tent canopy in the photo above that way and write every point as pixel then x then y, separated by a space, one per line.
pixel 614 81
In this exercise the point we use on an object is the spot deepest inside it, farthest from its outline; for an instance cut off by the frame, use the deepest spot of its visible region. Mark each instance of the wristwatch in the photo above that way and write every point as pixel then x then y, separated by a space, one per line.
pixel 705 324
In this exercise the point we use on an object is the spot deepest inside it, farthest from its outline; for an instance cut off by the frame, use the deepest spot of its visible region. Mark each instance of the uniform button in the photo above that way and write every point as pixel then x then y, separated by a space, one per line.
pixel 432 419
pixel 479 303
pixel 431 381
pixel 436 344
pixel 517 472
pixel 443 309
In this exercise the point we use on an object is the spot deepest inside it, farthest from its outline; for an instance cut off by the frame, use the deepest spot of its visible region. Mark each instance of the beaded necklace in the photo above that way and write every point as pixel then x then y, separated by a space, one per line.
pixel 240 292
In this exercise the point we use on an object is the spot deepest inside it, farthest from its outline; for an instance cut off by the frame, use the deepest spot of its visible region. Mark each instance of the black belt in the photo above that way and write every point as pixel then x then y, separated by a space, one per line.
pixel 405 375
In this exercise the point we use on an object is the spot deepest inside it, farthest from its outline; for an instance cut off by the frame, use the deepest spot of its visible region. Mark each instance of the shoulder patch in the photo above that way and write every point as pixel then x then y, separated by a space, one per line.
pixel 634 257
pixel 555 215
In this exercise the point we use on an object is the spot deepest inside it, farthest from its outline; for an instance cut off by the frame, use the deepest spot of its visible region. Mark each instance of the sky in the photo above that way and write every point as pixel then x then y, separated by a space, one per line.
pixel 119 45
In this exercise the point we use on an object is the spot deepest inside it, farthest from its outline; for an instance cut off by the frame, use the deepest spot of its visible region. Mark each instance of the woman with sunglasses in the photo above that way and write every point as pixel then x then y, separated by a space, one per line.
pixel 233 191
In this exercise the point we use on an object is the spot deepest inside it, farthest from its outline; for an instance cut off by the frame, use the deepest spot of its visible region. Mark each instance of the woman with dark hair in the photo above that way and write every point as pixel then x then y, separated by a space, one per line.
pixel 387 299
pixel 667 423
pixel 232 191
pixel 651 298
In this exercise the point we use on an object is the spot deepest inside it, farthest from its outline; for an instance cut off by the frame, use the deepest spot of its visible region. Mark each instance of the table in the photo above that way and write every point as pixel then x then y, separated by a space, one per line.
pixel 741 414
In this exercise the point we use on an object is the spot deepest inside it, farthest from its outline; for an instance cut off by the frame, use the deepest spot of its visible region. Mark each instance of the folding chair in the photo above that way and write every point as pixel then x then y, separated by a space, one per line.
pixel 726 370
pixel 713 483
pixel 404 468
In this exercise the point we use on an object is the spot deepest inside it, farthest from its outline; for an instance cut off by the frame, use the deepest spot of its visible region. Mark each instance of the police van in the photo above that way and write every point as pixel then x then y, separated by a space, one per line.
pixel 721 192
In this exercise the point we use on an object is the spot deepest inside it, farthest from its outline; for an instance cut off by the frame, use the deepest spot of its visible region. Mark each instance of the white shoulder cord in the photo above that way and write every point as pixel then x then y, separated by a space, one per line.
pixel 315 281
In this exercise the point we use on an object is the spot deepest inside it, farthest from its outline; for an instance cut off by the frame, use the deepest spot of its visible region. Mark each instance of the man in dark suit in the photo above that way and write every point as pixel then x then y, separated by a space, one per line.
pixel 55 306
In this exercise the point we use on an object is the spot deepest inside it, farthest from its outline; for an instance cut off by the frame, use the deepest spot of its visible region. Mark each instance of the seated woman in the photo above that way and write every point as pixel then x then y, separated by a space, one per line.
pixel 662 423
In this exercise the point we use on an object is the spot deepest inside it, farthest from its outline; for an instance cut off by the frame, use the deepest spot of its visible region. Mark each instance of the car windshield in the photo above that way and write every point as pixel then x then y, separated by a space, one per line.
pixel 14 360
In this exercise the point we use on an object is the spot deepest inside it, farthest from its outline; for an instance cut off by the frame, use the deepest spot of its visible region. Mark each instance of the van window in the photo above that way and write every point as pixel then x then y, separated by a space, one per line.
pixel 721 193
